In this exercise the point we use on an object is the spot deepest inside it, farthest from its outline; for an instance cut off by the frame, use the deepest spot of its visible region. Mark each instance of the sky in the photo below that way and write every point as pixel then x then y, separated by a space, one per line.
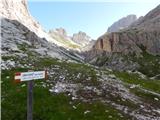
pixel 92 17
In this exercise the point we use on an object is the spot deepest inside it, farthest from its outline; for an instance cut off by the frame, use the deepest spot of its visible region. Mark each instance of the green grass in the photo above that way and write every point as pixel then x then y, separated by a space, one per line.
pixel 146 97
pixel 48 106
pixel 101 60
pixel 128 103
pixel 149 64
pixel 153 85
pixel 70 70
pixel 24 47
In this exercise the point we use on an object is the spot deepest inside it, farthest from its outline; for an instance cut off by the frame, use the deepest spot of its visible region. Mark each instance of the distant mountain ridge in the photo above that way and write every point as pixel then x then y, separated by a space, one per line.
pixel 122 23
pixel 79 40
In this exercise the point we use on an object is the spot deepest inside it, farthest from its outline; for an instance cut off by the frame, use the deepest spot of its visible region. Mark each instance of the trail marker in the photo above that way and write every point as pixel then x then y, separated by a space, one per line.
pixel 30 76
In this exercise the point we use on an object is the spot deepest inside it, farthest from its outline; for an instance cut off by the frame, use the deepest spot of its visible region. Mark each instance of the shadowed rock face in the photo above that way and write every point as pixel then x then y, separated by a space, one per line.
pixel 145 34
pixel 122 23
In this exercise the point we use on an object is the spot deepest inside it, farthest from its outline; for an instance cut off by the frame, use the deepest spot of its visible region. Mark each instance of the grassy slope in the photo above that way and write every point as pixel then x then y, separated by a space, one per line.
pixel 132 78
pixel 152 85
pixel 49 106
pixel 149 64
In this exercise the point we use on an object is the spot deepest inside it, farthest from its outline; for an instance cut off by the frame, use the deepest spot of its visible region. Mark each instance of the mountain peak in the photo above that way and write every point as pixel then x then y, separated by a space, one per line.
pixel 61 31
pixel 81 38
pixel 122 23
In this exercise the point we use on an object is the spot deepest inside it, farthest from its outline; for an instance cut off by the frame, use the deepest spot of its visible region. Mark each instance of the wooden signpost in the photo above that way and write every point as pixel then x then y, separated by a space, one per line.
pixel 30 76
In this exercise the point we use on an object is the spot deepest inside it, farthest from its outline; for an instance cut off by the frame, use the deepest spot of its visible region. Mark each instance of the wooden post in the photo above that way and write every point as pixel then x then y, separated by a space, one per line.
pixel 30 100
pixel 29 77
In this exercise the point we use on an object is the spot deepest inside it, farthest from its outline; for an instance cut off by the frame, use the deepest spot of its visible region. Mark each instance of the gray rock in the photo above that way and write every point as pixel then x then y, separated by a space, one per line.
pixel 122 23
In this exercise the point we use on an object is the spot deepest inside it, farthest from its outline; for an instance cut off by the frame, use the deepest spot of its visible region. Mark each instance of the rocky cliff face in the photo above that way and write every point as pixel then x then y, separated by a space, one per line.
pixel 118 50
pixel 144 35
pixel 150 22
pixel 19 41
pixel 122 23
pixel 16 39
pixel 22 34
pixel 18 10
pixel 81 38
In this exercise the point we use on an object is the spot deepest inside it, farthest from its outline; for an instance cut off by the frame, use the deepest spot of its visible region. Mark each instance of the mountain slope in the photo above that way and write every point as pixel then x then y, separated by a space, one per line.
pixel 18 40
pixel 10 10
pixel 144 33
pixel 150 21
pixel 81 38
pixel 60 35
pixel 121 50
pixel 122 23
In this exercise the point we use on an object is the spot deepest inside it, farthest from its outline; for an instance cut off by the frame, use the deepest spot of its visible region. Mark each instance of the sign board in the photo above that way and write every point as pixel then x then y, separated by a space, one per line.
pixel 27 76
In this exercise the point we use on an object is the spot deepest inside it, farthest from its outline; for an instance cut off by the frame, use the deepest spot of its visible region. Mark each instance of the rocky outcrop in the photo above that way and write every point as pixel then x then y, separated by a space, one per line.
pixel 88 46
pixel 16 37
pixel 60 35
pixel 120 50
pixel 18 40
pixel 18 10
pixel 80 41
pixel 145 35
pixel 81 38
pixel 150 22
pixel 61 32
pixel 122 23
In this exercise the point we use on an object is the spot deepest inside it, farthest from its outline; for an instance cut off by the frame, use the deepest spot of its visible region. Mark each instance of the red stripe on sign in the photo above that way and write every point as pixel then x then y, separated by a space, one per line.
pixel 17 74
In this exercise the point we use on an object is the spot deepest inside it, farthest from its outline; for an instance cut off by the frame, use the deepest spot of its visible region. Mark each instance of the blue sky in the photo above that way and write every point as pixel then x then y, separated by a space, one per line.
pixel 91 17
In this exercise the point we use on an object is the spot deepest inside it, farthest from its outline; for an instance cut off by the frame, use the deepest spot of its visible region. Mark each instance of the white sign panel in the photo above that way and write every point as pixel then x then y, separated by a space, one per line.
pixel 26 76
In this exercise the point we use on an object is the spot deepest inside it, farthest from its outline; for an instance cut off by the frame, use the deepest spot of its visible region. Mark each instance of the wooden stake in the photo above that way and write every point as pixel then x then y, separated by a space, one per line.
pixel 30 100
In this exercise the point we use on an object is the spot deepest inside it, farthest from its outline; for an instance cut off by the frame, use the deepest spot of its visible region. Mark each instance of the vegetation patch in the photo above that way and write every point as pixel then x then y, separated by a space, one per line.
pixel 132 78
pixel 147 97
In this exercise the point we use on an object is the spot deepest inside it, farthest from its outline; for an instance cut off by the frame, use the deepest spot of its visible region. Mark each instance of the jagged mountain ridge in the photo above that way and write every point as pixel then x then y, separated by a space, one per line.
pixel 122 23
pixel 60 35
pixel 81 38
pixel 80 41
